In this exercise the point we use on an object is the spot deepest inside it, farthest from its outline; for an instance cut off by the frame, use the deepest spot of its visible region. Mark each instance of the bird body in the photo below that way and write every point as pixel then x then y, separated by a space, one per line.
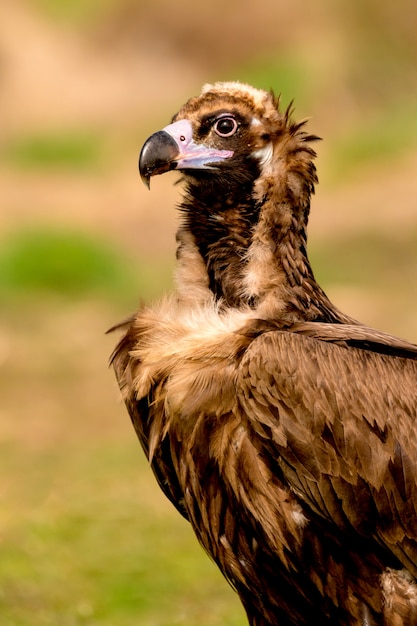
pixel 281 428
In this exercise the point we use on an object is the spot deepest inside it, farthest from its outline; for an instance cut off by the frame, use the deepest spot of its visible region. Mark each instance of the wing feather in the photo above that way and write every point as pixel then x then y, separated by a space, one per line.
pixel 343 424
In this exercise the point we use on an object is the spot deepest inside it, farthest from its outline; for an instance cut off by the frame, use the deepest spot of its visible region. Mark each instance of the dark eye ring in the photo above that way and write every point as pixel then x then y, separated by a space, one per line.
pixel 225 126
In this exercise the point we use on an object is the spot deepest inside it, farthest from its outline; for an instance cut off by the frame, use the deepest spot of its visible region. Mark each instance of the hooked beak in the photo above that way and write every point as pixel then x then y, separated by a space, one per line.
pixel 173 148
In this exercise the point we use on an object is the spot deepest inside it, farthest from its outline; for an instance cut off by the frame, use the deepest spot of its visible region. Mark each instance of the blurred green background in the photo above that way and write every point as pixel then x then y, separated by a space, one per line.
pixel 85 536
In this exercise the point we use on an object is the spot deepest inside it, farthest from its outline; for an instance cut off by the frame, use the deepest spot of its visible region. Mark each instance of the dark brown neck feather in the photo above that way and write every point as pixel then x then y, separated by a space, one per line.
pixel 306 300
pixel 221 213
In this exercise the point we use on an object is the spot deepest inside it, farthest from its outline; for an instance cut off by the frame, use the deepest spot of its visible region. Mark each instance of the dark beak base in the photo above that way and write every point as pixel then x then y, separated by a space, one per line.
pixel 157 156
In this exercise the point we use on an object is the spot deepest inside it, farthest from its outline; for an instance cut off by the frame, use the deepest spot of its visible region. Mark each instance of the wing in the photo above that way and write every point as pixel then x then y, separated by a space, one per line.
pixel 358 336
pixel 147 414
pixel 340 422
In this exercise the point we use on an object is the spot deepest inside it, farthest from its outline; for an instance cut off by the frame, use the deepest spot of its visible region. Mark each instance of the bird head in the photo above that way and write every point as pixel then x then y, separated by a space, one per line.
pixel 249 174
pixel 229 129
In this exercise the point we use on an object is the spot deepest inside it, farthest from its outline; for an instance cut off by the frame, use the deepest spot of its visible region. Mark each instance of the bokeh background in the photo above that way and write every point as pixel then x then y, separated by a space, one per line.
pixel 85 536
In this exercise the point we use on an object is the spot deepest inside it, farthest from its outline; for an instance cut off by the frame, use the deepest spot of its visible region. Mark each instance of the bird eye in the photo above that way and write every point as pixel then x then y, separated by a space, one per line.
pixel 225 126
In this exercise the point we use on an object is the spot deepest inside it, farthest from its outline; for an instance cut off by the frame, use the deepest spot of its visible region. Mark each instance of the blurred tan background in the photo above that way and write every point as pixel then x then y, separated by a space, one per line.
pixel 85 536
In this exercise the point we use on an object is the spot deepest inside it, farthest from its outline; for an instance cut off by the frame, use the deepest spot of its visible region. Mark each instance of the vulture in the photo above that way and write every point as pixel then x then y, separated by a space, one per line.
pixel 281 428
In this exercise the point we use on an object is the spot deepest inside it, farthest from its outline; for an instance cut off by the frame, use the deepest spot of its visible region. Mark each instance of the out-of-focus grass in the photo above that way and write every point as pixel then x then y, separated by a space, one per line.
pixel 390 132
pixel 75 151
pixel 87 539
pixel 77 11
pixel 67 263
pixel 368 259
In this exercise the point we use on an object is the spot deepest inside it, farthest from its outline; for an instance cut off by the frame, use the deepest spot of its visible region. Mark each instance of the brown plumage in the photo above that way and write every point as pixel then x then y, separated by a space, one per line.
pixel 282 429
